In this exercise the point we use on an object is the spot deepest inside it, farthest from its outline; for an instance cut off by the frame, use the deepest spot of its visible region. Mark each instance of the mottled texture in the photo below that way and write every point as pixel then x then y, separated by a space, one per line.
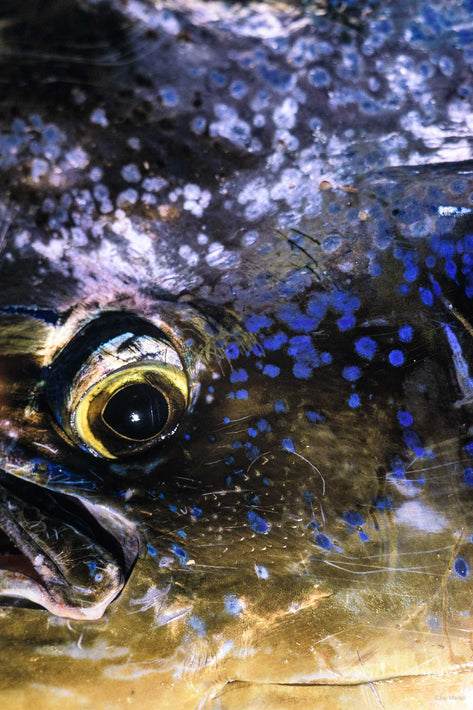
pixel 286 192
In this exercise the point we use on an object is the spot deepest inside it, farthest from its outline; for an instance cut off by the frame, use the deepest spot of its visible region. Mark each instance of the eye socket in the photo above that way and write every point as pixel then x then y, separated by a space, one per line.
pixel 120 395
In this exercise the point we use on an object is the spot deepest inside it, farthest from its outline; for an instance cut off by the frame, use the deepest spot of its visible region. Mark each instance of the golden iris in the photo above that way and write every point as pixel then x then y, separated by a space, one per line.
pixel 123 396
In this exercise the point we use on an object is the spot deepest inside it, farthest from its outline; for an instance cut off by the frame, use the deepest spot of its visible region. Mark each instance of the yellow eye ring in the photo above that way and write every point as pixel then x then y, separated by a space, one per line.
pixel 118 390
pixel 88 416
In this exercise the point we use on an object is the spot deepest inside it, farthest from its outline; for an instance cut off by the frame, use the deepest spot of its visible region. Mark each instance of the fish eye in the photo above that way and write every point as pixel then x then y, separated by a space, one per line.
pixel 116 394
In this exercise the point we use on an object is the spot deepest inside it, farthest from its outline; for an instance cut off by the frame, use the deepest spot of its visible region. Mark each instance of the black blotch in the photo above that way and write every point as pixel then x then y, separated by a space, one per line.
pixel 138 412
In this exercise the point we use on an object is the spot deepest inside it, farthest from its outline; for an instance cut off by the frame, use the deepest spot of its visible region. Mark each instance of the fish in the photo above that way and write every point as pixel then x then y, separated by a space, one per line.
pixel 236 387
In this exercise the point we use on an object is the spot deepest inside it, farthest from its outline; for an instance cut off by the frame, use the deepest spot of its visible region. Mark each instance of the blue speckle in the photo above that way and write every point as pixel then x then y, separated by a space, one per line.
pixel 196 512
pixel 169 96
pixel 218 78
pixel 288 444
pixel 353 518
pixel 405 418
pixel 233 605
pixel 354 401
pixel 263 425
pixel 280 407
pixel 323 541
pixel 173 508
pixel 363 536
pixel 151 550
pixel 242 394
pixel 468 476
pixel 180 553
pixel 426 296
pixel 469 448
pixel 366 347
pixel 405 333
pixel 461 567
pixel 261 572
pixel 383 503
pixel 411 273
pixel 301 371
pixel 271 370
pixel 255 322
pixel 240 375
pixel 396 358
pixel 346 323
pixel 252 432
pixel 314 417
pixel 226 420
pixel 232 351
pixel 275 341
pixel 258 524
pixel 351 373
pixel 182 533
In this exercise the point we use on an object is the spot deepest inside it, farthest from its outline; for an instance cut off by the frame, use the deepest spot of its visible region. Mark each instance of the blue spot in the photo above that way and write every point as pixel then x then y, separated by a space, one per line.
pixel 232 351
pixel 196 512
pixel 280 407
pixel 363 536
pixel 197 625
pixel 351 373
pixel 302 372
pixel 413 442
pixel 451 269
pixel 242 394
pixel 255 322
pixel 314 417
pixel 326 358
pixel 405 333
pixel 182 533
pixel 173 508
pixel 353 518
pixel 275 341
pixel 346 323
pixel 261 572
pixel 396 358
pixel 405 418
pixel 383 503
pixel 258 524
pixel 263 425
pixel 461 567
pixel 151 550
pixel 426 296
pixel 411 273
pixel 226 420
pixel 271 370
pixel 288 444
pixel 240 375
pixel 354 401
pixel 218 78
pixel 469 448
pixel 322 541
pixel 468 476
pixel 180 553
pixel 252 432
pixel 233 605
pixel 366 347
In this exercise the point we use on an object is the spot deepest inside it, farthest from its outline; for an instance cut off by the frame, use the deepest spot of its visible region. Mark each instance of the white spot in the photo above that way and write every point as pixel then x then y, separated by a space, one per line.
pixel 99 117
pixel 419 516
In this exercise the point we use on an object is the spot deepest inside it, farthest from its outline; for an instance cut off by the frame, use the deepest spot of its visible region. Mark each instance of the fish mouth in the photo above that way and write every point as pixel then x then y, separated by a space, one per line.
pixel 60 551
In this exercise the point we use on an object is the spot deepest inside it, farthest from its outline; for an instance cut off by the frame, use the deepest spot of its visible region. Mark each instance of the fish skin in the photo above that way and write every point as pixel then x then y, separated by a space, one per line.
pixel 308 525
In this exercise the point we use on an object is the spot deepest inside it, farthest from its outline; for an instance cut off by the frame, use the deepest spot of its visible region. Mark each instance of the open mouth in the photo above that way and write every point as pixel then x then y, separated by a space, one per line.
pixel 60 552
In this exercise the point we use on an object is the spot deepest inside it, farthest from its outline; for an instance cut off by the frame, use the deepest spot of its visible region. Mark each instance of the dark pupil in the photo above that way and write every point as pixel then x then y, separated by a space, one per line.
pixel 138 412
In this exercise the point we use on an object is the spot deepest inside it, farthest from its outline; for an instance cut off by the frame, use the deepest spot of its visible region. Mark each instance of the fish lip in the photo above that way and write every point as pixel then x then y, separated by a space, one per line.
pixel 47 573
